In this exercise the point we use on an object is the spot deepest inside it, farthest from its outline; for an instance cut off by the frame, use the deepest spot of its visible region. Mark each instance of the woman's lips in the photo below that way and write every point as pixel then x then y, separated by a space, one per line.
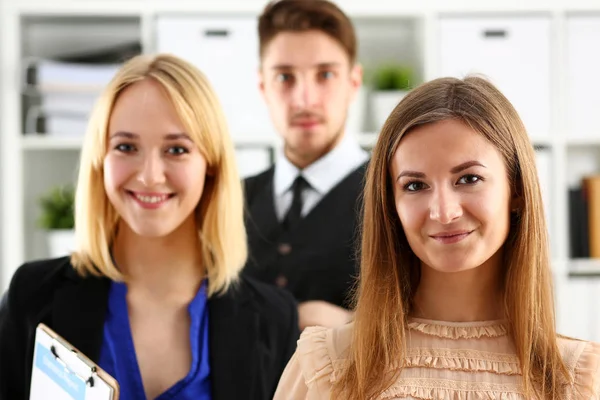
pixel 450 237
pixel 150 200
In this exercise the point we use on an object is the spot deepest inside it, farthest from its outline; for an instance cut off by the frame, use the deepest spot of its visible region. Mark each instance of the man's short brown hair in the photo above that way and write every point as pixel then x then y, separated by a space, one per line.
pixel 306 15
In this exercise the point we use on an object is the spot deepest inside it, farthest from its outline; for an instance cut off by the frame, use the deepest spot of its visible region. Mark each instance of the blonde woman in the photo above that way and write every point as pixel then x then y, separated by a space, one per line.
pixel 153 293
pixel 455 297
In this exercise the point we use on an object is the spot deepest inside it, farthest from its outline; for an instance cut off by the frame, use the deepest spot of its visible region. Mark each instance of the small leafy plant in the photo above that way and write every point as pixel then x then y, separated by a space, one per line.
pixel 393 77
pixel 58 208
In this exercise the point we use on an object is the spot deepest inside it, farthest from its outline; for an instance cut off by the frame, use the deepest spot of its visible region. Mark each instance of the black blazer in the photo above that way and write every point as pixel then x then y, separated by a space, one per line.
pixel 253 328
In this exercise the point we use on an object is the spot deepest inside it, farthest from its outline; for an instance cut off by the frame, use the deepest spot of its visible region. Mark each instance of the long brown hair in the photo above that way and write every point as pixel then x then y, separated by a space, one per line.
pixel 390 271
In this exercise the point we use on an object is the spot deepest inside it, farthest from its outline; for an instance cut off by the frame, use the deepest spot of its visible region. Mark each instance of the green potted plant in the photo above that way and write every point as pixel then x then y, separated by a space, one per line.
pixel 58 219
pixel 390 83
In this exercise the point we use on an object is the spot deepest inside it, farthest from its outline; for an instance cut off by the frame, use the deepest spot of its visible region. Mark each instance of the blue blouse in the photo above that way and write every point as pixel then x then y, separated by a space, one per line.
pixel 118 358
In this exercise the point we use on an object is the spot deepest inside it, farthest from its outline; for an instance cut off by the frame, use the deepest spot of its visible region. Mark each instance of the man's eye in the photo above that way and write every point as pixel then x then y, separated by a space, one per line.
pixel 284 77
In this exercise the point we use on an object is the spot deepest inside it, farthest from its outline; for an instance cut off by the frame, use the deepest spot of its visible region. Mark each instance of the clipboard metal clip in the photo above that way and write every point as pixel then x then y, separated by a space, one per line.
pixel 89 381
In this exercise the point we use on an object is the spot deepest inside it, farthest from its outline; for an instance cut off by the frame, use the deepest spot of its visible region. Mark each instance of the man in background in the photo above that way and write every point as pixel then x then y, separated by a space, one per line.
pixel 303 213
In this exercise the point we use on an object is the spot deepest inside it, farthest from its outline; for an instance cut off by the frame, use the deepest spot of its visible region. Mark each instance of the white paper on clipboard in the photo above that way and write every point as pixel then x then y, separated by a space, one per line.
pixel 61 372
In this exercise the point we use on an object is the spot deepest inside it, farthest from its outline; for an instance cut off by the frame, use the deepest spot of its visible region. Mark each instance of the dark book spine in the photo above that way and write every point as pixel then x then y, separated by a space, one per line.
pixel 578 224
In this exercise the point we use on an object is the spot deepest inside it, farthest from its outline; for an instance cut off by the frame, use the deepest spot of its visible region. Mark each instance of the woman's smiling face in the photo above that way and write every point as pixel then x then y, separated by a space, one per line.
pixel 452 196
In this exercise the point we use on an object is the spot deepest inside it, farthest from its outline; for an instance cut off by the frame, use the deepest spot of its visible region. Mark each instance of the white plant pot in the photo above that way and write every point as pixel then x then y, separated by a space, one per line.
pixel 383 103
pixel 61 242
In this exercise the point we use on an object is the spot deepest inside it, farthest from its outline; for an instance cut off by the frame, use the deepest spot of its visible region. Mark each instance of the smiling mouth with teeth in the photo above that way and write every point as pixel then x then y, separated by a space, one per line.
pixel 150 199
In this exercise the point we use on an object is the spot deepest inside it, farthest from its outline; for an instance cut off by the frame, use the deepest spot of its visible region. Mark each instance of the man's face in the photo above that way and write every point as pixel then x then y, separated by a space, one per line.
pixel 308 84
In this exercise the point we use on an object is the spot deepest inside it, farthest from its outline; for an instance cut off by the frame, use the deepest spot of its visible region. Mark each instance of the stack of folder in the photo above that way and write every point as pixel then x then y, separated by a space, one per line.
pixel 63 90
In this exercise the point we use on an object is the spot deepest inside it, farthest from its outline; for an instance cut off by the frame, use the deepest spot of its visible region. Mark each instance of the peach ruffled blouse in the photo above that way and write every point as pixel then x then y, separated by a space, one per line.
pixel 445 361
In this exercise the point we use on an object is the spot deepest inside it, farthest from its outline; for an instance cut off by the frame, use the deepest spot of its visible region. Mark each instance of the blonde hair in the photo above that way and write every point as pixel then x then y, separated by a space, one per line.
pixel 220 212
pixel 390 271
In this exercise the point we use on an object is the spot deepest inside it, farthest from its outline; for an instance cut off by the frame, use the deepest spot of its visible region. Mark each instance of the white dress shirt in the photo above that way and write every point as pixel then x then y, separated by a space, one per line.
pixel 322 175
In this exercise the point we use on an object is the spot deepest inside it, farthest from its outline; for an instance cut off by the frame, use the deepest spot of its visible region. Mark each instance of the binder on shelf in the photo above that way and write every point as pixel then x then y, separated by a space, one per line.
pixel 578 224
pixel 79 73
pixel 56 122
pixel 61 372
pixel 56 76
pixel 592 193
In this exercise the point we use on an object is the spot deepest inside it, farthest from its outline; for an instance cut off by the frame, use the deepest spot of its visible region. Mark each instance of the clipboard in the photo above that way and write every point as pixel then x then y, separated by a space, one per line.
pixel 61 372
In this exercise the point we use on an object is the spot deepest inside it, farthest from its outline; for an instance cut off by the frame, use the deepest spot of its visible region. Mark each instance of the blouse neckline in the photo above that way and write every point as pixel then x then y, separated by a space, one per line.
pixel 459 330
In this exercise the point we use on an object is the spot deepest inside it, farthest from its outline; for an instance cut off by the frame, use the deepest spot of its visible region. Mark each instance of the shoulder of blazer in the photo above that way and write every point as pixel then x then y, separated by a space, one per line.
pixel 253 183
pixel 269 299
pixel 30 296
pixel 278 308
pixel 34 283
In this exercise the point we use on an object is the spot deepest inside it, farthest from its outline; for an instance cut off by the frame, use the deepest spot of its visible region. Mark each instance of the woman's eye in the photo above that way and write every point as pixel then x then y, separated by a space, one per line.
pixel 125 147
pixel 469 179
pixel 177 150
pixel 414 186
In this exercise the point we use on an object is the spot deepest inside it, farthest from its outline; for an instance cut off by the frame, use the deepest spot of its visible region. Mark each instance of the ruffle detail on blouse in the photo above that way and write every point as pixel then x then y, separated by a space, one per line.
pixel 427 389
pixel 459 330
pixel 314 355
pixel 450 359
pixel 463 360
pixel 586 372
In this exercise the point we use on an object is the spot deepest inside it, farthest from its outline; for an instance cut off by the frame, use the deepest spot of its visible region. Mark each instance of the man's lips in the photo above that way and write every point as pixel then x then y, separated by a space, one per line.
pixel 306 123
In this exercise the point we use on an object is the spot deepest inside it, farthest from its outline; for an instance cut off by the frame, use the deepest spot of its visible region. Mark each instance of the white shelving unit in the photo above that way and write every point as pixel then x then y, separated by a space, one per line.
pixel 412 32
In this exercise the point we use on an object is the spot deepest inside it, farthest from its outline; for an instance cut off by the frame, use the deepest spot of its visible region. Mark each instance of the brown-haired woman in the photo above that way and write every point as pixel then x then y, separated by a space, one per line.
pixel 455 299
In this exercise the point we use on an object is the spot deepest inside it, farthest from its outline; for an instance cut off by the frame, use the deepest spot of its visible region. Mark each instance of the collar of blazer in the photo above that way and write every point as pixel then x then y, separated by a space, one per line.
pixel 79 311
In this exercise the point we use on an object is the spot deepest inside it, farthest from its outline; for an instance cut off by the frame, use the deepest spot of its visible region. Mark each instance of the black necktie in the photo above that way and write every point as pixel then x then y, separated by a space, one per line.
pixel 294 213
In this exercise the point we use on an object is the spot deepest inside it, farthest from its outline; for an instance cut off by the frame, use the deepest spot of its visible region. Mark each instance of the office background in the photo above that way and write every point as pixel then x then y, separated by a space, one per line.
pixel 544 54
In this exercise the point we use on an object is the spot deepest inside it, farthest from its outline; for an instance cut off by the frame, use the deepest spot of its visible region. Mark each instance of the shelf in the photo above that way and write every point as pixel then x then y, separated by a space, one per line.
pixel 542 143
pixel 584 267
pixel 368 139
pixel 584 141
pixel 33 141
pixel 42 142
pixel 351 7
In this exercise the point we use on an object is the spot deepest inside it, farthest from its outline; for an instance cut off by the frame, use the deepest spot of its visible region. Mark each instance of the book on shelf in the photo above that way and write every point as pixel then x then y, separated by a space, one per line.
pixel 584 218
pixel 578 224
pixel 591 185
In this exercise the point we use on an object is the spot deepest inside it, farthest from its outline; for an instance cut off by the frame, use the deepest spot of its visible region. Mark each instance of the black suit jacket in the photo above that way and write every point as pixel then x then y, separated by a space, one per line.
pixel 253 328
